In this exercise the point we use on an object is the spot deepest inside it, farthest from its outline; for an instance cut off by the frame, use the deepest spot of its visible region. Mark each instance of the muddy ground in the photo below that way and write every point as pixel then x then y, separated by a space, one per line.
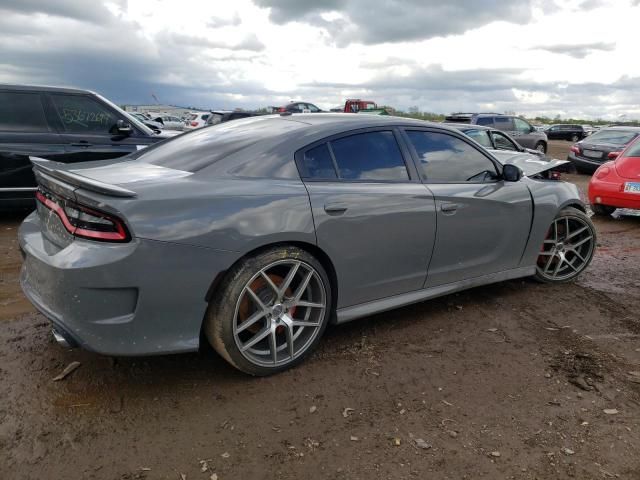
pixel 506 381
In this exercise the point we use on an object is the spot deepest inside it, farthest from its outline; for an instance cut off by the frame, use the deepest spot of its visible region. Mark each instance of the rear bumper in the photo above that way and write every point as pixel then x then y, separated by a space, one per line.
pixel 611 194
pixel 139 298
pixel 584 164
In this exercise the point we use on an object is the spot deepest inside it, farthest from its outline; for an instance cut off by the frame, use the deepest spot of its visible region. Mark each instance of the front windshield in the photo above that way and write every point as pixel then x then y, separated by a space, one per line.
pixel 614 137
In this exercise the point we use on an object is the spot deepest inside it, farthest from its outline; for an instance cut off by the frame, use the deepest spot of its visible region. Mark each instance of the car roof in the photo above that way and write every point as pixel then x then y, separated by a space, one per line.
pixel 467 126
pixel 42 88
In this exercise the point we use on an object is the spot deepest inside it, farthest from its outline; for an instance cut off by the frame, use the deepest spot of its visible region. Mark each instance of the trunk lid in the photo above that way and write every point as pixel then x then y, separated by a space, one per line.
pixel 597 152
pixel 628 168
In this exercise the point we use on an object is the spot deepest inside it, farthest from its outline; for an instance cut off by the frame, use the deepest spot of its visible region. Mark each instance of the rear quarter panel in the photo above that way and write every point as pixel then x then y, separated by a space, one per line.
pixel 229 214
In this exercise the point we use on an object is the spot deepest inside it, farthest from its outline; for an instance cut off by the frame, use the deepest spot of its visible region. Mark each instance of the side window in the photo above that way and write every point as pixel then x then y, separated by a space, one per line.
pixel 480 136
pixel 445 158
pixel 81 114
pixel 487 121
pixel 521 126
pixel 22 112
pixel 503 123
pixel 370 156
pixel 317 163
pixel 313 108
pixel 503 142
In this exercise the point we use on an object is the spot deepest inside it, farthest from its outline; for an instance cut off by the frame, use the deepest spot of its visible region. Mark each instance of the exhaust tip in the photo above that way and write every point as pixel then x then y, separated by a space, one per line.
pixel 61 339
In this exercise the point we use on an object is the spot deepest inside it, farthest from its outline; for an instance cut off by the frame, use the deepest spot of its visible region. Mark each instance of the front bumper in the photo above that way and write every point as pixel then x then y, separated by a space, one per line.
pixel 139 298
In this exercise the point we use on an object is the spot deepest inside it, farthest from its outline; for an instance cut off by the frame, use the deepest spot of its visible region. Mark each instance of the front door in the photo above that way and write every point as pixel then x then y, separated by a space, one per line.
pixel 483 222
pixel 372 215
pixel 87 128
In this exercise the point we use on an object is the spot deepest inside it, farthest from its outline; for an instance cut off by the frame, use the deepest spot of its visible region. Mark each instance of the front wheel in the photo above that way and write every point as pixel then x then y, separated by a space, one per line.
pixel 270 311
pixel 568 247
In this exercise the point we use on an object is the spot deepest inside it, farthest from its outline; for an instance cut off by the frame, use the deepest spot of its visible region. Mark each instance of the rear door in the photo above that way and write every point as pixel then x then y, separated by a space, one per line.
pixel 24 131
pixel 87 128
pixel 483 221
pixel 372 215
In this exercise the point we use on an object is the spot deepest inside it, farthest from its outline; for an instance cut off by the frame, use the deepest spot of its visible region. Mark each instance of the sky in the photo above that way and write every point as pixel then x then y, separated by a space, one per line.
pixel 573 58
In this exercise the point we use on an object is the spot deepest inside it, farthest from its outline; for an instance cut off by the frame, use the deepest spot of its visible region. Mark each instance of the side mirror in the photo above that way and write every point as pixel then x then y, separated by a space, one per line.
pixel 122 128
pixel 511 173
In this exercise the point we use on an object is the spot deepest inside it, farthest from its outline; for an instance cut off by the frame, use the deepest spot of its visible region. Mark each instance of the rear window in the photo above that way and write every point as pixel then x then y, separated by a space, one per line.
pixel 22 112
pixel 634 150
pixel 614 137
pixel 201 148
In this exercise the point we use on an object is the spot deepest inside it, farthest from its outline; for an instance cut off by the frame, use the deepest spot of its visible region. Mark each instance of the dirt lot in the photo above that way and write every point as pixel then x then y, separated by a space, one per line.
pixel 506 381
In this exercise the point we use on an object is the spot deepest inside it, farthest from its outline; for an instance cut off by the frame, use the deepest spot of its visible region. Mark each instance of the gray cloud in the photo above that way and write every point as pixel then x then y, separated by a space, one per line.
pixel 398 20
pixel 580 50
pixel 73 9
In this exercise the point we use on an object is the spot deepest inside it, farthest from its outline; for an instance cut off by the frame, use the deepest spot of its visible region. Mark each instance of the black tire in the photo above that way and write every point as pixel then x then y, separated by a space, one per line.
pixel 575 138
pixel 602 210
pixel 583 171
pixel 541 147
pixel 587 253
pixel 221 314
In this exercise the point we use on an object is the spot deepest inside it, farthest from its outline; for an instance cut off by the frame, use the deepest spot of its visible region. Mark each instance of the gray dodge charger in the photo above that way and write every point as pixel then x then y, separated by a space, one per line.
pixel 257 233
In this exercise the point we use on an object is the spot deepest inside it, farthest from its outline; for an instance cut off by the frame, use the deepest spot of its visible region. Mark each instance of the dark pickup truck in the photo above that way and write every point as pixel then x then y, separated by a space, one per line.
pixel 61 124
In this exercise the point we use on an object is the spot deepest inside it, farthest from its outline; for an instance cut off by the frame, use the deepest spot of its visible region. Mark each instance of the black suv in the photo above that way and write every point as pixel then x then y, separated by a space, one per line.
pixel 525 134
pixel 62 124
pixel 221 116
pixel 573 133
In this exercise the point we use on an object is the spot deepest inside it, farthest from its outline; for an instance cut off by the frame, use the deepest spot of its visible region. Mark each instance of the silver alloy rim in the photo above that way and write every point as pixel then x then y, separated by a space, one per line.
pixel 279 313
pixel 540 148
pixel 567 249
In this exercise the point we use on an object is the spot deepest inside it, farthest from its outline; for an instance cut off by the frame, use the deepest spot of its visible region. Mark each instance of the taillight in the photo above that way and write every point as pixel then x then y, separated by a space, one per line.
pixel 194 124
pixel 575 149
pixel 84 222
pixel 554 175
pixel 282 109
pixel 613 155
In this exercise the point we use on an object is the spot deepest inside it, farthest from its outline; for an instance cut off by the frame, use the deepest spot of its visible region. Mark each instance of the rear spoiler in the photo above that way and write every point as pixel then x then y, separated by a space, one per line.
pixel 47 167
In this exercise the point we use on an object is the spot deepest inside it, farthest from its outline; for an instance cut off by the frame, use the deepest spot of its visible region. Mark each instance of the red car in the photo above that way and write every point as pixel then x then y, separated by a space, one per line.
pixel 616 184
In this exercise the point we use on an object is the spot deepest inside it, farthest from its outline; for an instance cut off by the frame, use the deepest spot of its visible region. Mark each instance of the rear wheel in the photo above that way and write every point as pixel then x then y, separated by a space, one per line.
pixel 602 210
pixel 541 147
pixel 271 311
pixel 575 138
pixel 568 248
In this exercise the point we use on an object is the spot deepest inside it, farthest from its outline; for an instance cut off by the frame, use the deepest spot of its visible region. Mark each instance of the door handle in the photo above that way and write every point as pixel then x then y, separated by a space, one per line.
pixel 335 208
pixel 449 207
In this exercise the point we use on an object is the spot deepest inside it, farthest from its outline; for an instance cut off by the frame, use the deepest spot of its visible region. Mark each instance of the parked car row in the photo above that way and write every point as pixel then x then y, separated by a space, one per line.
pixel 525 133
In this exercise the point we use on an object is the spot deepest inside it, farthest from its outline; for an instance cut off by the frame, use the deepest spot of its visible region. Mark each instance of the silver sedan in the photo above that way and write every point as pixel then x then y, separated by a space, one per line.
pixel 257 233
